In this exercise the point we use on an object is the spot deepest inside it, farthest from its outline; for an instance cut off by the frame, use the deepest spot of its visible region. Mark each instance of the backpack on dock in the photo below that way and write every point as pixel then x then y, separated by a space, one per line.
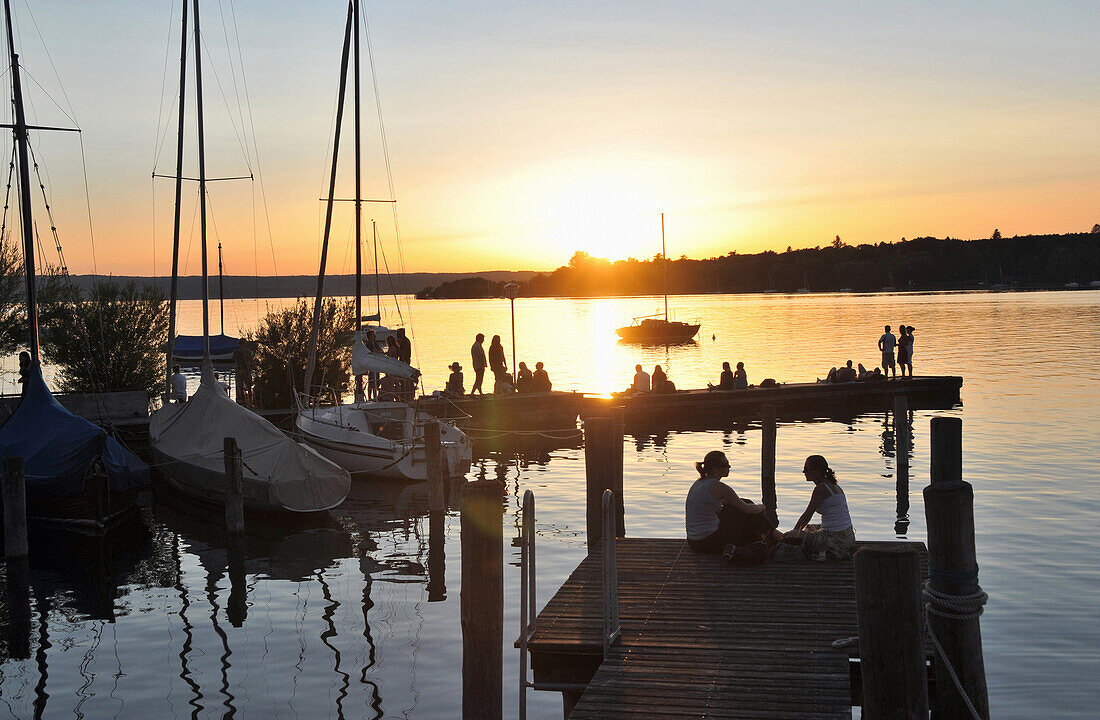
pixel 747 555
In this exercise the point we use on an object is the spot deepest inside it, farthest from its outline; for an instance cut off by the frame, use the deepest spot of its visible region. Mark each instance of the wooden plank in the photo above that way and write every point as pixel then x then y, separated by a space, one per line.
pixel 703 639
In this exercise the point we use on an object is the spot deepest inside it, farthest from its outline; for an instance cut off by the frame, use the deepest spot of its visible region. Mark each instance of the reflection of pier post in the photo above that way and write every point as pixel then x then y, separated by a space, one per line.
pixel 901 456
pixel 767 459
pixel 437 557
pixel 15 554
pixel 482 600
pixel 237 607
pixel 955 598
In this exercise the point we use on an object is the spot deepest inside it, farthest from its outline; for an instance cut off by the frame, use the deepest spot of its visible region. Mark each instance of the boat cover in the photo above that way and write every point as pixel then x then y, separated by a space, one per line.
pixel 58 447
pixel 190 346
pixel 363 361
pixel 194 432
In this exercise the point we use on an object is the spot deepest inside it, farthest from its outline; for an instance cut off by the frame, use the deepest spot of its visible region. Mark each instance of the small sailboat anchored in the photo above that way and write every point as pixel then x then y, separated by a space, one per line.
pixel 377 438
pixel 188 438
pixel 77 476
pixel 658 329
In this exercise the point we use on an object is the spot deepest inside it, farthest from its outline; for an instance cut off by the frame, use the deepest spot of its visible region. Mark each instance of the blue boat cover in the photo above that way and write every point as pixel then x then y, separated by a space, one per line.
pixel 57 447
pixel 190 346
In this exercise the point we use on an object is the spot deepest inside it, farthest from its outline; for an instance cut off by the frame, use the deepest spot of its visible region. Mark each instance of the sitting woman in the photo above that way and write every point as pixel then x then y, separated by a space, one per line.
pixel 455 383
pixel 525 381
pixel 835 538
pixel 716 516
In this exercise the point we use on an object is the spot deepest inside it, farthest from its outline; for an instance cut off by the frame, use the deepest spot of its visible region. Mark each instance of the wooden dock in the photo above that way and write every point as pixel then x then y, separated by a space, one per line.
pixel 703 639
pixel 793 400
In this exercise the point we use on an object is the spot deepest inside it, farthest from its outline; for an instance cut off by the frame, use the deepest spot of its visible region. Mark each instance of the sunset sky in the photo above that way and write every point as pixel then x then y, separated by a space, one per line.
pixel 521 132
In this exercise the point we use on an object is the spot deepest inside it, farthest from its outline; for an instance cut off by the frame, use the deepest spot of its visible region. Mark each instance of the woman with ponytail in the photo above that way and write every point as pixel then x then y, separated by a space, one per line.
pixel 716 516
pixel 835 538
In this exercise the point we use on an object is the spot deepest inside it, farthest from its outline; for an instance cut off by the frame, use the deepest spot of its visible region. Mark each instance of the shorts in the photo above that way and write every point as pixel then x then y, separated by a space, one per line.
pixel 887 359
pixel 830 544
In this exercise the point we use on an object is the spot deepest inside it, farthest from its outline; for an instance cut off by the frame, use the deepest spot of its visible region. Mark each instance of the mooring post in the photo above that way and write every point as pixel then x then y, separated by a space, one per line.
pixel 618 429
pixel 15 508
pixel 767 459
pixel 15 553
pixel 891 634
pixel 482 600
pixel 953 574
pixel 603 449
pixel 436 468
pixel 234 497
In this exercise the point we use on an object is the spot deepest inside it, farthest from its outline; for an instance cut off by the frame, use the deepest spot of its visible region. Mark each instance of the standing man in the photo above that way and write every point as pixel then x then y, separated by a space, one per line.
pixel 179 386
pixel 477 355
pixel 886 344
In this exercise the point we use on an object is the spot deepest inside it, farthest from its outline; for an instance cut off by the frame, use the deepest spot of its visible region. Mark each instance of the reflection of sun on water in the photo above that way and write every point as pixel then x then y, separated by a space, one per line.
pixel 604 322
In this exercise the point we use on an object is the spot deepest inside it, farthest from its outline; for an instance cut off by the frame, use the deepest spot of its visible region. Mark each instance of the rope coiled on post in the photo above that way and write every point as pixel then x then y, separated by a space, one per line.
pixel 952 607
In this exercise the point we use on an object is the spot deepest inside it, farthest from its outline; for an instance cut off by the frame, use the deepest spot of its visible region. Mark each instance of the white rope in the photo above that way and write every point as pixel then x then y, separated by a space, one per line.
pixel 952 607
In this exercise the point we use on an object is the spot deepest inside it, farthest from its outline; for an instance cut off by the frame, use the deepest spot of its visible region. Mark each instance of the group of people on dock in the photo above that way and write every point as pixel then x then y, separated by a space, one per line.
pixel 503 382
pixel 897 352
pixel 718 520
pixel 658 382
pixel 399 347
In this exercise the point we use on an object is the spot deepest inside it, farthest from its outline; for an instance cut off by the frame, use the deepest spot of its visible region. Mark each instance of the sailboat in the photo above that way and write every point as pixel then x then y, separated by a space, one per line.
pixel 187 438
pixel 378 438
pixel 188 348
pixel 658 329
pixel 77 476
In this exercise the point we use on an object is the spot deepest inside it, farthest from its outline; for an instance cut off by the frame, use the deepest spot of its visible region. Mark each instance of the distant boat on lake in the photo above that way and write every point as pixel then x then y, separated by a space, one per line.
pixel 658 329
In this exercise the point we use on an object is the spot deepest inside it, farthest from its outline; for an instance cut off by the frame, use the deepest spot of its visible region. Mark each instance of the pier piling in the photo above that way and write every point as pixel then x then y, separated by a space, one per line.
pixel 956 598
pixel 891 633
pixel 767 459
pixel 436 469
pixel 234 496
pixel 482 600
pixel 18 564
pixel 603 468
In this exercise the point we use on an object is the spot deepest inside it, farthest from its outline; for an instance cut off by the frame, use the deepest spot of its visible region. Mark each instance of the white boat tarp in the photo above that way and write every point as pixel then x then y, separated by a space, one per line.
pixel 194 432
pixel 363 361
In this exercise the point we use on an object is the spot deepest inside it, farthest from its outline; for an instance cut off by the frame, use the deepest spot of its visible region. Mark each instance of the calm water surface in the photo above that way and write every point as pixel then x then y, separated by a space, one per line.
pixel 340 621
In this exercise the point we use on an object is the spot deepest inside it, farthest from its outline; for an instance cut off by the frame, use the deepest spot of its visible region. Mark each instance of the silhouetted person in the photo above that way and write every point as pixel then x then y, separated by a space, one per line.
pixel 404 348
pixel 642 382
pixel 886 344
pixel 905 350
pixel 179 385
pixel 477 354
pixel 392 350
pixel 525 381
pixel 740 378
pixel 25 368
pixel 725 380
pixel 715 516
pixel 661 383
pixel 541 379
pixel 846 373
pixel 455 383
pixel 498 365
pixel 371 344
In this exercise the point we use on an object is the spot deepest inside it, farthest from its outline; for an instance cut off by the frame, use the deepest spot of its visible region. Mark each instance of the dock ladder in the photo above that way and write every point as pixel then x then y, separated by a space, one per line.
pixel 609 581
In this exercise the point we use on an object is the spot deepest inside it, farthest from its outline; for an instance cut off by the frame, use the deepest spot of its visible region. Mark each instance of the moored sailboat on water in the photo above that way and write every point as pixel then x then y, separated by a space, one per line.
pixel 658 329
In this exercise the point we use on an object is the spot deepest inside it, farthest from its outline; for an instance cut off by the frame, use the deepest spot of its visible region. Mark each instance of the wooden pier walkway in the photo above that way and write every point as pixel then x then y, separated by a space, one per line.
pixel 703 639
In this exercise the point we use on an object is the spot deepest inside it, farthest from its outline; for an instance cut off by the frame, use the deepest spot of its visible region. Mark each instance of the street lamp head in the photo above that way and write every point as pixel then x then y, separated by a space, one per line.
pixel 511 290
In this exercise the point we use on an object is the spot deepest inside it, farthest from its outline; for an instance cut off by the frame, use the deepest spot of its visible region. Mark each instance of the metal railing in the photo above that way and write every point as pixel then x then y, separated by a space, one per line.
pixel 609 582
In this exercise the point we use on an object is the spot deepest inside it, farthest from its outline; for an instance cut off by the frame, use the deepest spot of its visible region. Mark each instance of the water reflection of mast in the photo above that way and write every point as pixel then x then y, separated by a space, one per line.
pixel 185 651
pixel 331 606
pixel 368 582
pixel 41 697
pixel 212 596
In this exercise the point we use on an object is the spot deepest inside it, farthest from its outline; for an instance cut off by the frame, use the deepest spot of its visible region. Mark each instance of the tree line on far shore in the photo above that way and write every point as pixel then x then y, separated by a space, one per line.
pixel 1026 261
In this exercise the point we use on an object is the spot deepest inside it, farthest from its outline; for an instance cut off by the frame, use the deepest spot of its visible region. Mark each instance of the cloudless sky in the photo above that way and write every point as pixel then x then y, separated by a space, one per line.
pixel 521 132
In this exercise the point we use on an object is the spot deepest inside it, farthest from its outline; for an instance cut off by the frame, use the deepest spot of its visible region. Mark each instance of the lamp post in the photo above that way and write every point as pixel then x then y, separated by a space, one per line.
pixel 510 292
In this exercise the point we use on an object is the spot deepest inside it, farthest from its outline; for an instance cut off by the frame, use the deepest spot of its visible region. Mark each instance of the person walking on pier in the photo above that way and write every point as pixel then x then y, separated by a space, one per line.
pixel 835 538
pixel 477 354
pixel 886 344
pixel 716 517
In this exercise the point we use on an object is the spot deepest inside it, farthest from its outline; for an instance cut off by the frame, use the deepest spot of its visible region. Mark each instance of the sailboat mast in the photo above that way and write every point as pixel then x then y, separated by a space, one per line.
pixel 664 259
pixel 20 130
pixel 358 189
pixel 221 288
pixel 202 194
pixel 311 363
pixel 377 289
pixel 173 295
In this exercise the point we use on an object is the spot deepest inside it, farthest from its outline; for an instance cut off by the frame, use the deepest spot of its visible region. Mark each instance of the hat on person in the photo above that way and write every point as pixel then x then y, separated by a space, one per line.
pixel 455 366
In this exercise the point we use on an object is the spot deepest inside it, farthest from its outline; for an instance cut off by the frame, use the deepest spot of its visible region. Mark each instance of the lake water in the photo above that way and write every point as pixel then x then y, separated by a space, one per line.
pixel 340 622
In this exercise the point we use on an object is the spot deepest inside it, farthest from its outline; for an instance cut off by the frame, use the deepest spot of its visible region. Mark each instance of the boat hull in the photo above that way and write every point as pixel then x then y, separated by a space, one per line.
pixel 659 333
pixel 95 511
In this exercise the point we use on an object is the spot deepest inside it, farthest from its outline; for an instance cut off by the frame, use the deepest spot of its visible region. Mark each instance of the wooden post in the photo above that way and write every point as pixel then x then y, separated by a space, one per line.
pixel 234 497
pixel 953 570
pixel 482 600
pixel 603 450
pixel 15 508
pixel 436 469
pixel 15 552
pixel 767 459
pixel 901 454
pixel 891 634
pixel 618 428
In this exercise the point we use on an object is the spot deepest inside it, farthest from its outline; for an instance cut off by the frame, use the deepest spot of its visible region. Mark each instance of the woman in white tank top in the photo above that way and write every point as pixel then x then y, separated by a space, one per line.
pixel 835 538
pixel 714 514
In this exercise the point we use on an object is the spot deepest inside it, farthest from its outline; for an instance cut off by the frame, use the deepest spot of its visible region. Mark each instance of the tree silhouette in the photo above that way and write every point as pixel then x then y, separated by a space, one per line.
pixel 996 234
pixel 1096 229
